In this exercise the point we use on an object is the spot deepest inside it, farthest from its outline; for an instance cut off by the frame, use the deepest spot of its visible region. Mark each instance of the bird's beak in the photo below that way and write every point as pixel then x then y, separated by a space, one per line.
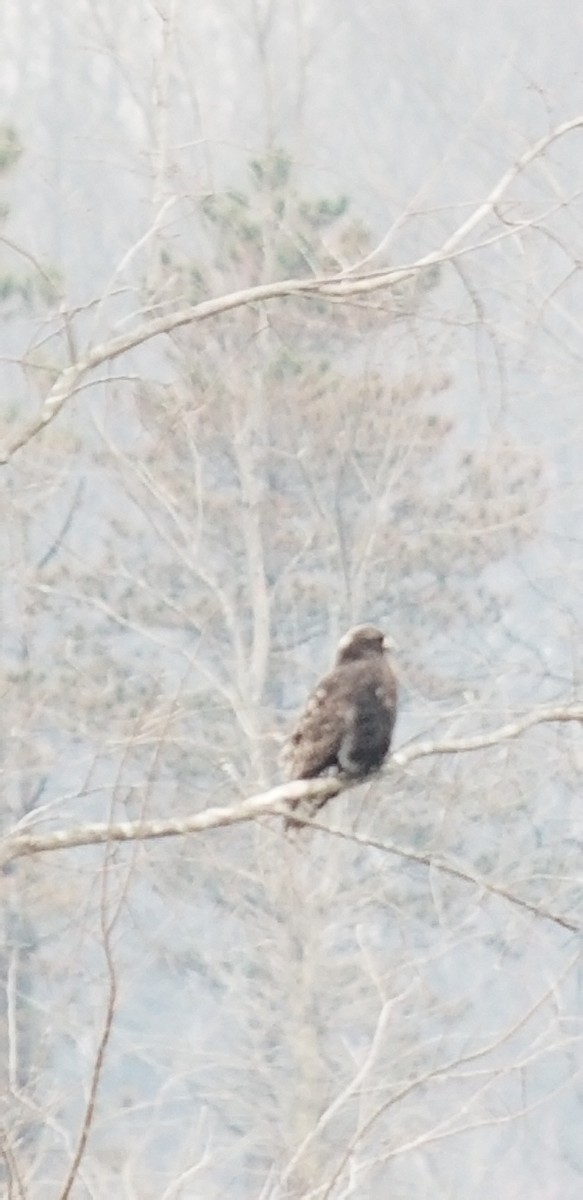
pixel 389 644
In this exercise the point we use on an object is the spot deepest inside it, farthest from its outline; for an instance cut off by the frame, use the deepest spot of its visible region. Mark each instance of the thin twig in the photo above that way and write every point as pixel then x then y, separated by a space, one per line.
pixel 104 1039
pixel 440 1072
pixel 457 870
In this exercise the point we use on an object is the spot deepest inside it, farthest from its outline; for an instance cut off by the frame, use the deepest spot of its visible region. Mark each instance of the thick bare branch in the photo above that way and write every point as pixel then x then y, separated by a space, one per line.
pixel 275 801
pixel 343 285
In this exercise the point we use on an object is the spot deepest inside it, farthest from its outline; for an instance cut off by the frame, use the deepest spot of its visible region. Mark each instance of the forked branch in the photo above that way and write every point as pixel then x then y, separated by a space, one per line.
pixel 277 800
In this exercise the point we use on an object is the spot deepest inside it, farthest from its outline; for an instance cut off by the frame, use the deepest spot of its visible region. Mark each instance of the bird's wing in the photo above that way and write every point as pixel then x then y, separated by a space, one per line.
pixel 328 715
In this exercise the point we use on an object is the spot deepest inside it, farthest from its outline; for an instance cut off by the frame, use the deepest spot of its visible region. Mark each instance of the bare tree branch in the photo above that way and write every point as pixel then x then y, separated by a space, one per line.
pixel 278 800
pixel 439 1072
pixel 352 1087
pixel 345 284
pixel 504 733
pixel 97 1073
pixel 457 870
pixel 108 922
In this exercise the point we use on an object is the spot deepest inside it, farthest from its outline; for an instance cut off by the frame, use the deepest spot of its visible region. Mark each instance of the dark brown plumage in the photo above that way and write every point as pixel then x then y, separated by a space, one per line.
pixel 347 724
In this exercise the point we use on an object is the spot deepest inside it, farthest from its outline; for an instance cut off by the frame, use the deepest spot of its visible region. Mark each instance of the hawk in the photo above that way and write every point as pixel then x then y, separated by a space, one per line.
pixel 348 721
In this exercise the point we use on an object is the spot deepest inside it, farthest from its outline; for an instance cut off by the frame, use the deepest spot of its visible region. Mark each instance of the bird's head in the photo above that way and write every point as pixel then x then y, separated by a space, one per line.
pixel 364 641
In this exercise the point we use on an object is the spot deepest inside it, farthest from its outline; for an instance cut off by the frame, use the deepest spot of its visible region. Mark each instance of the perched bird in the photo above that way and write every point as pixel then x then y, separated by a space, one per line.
pixel 348 721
